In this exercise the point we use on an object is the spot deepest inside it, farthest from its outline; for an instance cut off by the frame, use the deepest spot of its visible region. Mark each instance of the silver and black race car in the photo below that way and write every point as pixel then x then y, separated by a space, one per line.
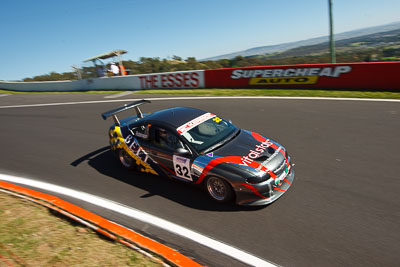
pixel 199 147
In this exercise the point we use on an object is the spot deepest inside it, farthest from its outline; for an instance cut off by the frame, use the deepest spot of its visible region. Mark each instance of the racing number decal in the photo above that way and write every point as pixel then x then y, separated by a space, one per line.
pixel 182 167
pixel 182 171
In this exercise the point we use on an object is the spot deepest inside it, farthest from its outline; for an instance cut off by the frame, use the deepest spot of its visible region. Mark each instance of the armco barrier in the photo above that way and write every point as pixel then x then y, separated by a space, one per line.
pixel 366 76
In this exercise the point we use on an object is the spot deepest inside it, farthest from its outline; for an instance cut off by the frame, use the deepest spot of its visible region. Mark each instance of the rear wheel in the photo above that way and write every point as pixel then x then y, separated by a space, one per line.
pixel 219 190
pixel 126 160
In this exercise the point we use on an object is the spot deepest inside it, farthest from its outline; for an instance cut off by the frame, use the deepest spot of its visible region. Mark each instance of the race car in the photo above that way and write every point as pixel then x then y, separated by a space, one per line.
pixel 199 147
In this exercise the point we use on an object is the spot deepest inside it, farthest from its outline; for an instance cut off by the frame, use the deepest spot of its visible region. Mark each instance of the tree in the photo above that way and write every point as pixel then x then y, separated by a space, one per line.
pixel 176 58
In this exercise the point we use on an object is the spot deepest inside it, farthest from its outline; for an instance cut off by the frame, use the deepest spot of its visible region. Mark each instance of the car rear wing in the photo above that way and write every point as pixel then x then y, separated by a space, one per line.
pixel 135 105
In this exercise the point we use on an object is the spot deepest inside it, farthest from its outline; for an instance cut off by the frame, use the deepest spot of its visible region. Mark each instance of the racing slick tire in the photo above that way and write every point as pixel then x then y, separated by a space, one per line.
pixel 126 160
pixel 219 189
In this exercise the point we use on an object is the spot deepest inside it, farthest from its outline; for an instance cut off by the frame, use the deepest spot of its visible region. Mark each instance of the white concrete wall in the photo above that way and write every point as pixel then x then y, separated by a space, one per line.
pixel 182 79
pixel 41 86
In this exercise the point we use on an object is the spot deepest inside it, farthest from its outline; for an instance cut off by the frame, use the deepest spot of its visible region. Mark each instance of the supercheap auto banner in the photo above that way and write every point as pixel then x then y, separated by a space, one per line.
pixel 366 76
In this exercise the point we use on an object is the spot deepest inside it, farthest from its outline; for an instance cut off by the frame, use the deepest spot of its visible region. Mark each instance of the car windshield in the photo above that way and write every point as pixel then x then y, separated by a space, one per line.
pixel 210 134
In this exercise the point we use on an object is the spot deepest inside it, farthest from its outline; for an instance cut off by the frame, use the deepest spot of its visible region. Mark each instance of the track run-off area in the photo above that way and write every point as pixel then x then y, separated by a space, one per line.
pixel 343 207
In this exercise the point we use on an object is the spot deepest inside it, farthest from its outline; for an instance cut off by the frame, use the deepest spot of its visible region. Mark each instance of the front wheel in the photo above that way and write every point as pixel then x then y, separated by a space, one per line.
pixel 126 160
pixel 219 190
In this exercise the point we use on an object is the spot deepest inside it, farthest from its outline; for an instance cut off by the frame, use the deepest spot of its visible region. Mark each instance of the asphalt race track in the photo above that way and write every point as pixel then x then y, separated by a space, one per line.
pixel 342 210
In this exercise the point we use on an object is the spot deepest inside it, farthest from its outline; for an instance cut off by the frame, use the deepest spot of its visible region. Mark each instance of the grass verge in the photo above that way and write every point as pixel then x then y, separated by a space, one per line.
pixel 32 236
pixel 276 92
pixel 244 92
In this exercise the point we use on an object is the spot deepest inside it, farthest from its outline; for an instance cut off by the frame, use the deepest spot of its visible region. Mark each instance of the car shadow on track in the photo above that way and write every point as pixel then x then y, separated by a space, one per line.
pixel 193 196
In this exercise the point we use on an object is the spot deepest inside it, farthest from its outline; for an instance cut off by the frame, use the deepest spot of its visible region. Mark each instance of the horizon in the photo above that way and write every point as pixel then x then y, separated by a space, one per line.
pixel 42 36
pixel 322 36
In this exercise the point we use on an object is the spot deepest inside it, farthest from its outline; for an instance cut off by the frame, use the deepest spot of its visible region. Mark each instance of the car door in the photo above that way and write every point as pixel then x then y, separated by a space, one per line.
pixel 163 145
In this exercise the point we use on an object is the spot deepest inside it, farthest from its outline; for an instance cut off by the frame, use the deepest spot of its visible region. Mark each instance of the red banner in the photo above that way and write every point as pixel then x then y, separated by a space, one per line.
pixel 361 76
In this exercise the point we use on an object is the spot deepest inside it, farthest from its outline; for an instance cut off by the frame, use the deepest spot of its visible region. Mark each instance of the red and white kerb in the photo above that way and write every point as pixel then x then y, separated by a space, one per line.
pixel 193 123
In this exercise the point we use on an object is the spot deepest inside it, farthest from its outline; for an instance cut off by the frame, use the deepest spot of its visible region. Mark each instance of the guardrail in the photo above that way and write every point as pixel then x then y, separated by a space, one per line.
pixel 349 76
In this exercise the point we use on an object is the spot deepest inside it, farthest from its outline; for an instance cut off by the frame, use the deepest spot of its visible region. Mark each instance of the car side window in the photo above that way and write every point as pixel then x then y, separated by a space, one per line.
pixel 163 138
pixel 141 132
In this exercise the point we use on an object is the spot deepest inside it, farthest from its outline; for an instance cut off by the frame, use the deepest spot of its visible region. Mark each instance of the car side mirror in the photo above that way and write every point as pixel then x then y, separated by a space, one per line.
pixel 182 152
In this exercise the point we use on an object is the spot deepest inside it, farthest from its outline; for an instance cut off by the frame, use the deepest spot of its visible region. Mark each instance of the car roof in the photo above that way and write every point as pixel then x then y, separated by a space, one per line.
pixel 175 117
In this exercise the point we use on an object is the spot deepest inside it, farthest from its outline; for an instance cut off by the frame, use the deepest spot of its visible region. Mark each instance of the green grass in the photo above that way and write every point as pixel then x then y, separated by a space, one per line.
pixel 277 92
pixel 245 92
pixel 390 58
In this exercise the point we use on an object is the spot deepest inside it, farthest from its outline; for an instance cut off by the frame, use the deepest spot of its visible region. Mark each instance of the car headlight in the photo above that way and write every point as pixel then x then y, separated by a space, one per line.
pixel 257 179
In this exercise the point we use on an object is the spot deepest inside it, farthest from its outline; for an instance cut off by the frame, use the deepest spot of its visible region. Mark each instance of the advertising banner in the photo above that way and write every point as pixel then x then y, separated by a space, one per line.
pixel 366 76
pixel 171 80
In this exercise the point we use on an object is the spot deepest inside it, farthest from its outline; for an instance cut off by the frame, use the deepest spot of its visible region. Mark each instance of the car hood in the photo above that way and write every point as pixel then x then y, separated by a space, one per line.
pixel 250 146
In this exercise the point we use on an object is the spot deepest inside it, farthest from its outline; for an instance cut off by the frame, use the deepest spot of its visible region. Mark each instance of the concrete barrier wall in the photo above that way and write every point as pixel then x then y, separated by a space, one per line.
pixel 182 79
pixel 356 76
pixel 41 86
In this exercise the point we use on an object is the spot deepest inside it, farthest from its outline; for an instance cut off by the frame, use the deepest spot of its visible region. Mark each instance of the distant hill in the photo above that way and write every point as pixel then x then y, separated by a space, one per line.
pixel 361 43
pixel 271 49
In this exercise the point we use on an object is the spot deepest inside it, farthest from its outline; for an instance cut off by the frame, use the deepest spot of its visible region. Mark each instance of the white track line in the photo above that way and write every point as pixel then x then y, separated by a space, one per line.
pixel 202 98
pixel 219 246
pixel 119 95
pixel 1 95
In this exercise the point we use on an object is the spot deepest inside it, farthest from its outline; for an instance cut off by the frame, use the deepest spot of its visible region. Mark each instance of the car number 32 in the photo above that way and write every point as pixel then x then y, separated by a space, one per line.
pixel 182 171
pixel 182 167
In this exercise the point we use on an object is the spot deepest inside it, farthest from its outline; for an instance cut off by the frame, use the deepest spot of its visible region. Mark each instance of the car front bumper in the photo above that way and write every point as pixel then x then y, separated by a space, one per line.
pixel 263 193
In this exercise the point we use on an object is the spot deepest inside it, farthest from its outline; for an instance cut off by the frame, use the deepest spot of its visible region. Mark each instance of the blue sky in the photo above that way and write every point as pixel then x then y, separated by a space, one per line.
pixel 41 36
